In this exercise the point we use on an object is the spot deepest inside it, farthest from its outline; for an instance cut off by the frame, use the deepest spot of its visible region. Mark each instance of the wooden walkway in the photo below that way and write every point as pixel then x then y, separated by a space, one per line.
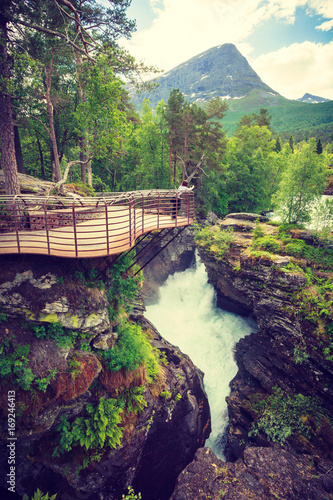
pixel 84 228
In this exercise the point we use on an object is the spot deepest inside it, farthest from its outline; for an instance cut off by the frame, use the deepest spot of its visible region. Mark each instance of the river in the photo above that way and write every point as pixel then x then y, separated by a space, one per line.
pixel 186 316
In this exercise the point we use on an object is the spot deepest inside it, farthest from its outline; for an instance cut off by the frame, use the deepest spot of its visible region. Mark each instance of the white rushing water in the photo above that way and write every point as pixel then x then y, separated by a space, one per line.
pixel 187 317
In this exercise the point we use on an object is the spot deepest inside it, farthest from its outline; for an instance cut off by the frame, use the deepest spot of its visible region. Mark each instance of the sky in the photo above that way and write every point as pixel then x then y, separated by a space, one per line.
pixel 289 43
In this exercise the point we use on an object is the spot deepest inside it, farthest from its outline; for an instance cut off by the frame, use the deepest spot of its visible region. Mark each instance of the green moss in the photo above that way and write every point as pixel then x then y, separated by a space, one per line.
pixel 49 318
pixel 74 320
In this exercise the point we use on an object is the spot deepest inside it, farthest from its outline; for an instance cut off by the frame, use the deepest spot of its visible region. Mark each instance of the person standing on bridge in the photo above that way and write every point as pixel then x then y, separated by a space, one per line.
pixel 183 188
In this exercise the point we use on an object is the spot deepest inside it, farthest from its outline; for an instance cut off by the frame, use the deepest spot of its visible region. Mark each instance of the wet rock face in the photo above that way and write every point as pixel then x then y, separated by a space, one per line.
pixel 176 257
pixel 257 285
pixel 157 443
pixel 179 427
pixel 264 473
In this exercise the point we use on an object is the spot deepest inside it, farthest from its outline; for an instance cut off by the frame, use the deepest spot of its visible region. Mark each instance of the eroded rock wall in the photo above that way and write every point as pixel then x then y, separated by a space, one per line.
pixel 157 443
pixel 287 354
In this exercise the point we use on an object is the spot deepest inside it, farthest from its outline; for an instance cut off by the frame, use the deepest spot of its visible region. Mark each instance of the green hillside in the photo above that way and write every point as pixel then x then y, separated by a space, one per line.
pixel 288 116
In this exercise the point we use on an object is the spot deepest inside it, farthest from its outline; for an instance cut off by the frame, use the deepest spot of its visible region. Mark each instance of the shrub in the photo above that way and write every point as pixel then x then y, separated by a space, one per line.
pixel 296 248
pixel 62 337
pixel 268 243
pixel 95 429
pixel 131 350
pixel 122 286
pixel 43 383
pixel 281 415
pixel 217 241
pixel 15 364
pixel 132 400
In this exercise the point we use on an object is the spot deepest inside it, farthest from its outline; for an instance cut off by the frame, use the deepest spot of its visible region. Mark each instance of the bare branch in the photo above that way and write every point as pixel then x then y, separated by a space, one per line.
pixel 68 167
pixel 78 24
pixel 40 121
pixel 185 174
pixel 56 34
pixel 198 167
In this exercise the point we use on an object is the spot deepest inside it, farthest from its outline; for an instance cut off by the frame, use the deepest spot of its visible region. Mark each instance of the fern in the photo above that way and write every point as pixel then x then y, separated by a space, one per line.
pixel 39 495
pixel 133 400
pixel 98 427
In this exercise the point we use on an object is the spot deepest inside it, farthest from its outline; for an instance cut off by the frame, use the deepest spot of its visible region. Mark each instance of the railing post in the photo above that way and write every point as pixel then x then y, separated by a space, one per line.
pixel 134 219
pixel 16 224
pixel 47 230
pixel 130 222
pixel 143 213
pixel 107 226
pixel 158 210
pixel 178 202
pixel 74 227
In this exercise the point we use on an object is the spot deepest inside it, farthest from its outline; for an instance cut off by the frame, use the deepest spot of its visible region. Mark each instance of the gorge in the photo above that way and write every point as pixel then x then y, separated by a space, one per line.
pixel 284 374
pixel 187 316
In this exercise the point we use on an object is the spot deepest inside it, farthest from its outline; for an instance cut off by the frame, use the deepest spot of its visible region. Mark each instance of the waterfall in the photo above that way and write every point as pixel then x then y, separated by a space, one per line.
pixel 187 317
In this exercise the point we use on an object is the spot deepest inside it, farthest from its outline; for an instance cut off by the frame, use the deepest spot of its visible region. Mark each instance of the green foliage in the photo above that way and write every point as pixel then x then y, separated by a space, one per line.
pixel 132 400
pixel 253 169
pixel 131 350
pixel 131 495
pixel 63 338
pixel 267 243
pixel 165 394
pixel 215 240
pixel 281 415
pixel 122 286
pixel 297 248
pixel 79 276
pixel 15 365
pixel 300 355
pixel 257 231
pixel 39 495
pixel 91 279
pixel 302 184
pixel 98 427
pixel 83 189
pixel 3 317
pixel 43 383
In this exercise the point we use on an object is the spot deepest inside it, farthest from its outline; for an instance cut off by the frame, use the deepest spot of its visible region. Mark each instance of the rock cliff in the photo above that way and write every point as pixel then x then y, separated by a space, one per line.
pixel 280 436
pixel 57 329
pixel 175 257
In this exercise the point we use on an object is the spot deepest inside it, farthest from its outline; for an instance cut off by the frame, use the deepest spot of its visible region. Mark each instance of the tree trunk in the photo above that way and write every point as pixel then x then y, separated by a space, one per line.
pixel 42 169
pixel 18 151
pixel 170 156
pixel 89 173
pixel 12 185
pixel 49 105
pixel 83 158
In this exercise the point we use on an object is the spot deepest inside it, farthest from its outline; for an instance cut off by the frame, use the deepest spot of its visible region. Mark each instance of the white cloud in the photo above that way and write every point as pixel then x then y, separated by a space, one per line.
pixel 184 28
pixel 326 26
pixel 292 71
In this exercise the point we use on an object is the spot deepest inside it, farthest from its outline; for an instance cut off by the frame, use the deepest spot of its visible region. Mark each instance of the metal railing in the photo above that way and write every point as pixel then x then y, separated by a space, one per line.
pixel 88 227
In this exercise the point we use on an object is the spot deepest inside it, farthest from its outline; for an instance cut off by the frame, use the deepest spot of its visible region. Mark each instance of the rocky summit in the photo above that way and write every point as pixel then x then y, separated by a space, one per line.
pixel 219 72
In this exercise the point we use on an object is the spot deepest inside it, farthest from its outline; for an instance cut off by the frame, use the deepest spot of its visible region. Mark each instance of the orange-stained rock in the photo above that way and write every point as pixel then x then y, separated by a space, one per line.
pixel 83 369
pixel 123 378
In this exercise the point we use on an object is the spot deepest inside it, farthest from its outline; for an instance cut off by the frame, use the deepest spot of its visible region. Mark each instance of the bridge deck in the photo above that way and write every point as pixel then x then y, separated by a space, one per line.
pixel 99 228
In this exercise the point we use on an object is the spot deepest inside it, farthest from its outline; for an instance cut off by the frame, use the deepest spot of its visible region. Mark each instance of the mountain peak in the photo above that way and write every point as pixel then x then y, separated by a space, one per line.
pixel 221 71
pixel 312 99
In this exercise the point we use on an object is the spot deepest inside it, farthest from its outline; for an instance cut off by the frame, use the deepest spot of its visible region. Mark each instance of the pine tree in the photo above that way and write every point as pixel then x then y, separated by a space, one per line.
pixel 278 146
pixel 319 147
pixel 291 143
